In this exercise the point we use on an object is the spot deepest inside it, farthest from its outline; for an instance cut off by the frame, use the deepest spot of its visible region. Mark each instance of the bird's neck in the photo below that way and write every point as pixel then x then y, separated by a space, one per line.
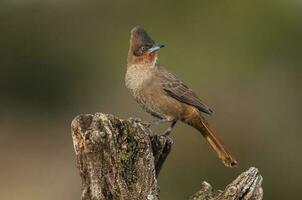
pixel 148 60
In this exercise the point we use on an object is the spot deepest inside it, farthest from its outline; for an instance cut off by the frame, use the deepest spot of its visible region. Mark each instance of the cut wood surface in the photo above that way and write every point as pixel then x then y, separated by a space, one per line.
pixel 121 159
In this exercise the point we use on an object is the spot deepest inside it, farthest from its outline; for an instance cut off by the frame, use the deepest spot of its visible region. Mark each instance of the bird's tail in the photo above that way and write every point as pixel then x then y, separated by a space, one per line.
pixel 222 152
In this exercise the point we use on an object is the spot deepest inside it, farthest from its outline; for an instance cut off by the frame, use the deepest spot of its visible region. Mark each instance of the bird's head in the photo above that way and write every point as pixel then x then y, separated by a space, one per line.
pixel 143 49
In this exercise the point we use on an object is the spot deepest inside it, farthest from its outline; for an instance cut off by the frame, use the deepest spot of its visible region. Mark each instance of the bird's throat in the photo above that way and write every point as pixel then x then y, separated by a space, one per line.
pixel 148 59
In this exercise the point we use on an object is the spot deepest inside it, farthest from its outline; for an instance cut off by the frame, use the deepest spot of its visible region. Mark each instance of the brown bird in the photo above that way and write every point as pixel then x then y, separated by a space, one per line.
pixel 164 96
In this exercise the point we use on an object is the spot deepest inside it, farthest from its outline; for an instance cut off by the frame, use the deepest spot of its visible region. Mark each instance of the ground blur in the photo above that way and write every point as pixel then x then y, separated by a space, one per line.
pixel 63 58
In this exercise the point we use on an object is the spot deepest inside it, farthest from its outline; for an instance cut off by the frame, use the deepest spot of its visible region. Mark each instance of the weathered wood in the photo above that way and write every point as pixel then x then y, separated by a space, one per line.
pixel 120 160
pixel 117 159
pixel 247 186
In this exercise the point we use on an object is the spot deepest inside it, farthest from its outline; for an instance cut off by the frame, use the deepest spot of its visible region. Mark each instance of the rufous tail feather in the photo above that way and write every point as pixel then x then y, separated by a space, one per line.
pixel 222 152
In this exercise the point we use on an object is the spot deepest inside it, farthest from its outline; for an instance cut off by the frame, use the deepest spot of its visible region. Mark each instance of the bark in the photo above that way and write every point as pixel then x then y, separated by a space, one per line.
pixel 121 159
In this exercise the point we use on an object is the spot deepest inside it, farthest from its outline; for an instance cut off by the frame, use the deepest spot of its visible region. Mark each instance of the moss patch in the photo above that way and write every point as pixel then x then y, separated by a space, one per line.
pixel 129 153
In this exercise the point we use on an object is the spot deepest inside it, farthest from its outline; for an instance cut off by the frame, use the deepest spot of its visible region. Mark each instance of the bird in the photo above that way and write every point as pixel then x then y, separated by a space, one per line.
pixel 160 93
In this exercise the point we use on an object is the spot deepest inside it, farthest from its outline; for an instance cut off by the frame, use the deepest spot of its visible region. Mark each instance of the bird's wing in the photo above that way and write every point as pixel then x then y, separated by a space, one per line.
pixel 178 90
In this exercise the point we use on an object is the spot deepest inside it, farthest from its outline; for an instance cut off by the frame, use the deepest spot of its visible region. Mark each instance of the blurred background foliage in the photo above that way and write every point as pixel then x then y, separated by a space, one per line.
pixel 60 58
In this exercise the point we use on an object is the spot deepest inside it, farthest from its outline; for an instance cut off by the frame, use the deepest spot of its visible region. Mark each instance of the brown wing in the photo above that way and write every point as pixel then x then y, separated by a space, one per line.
pixel 178 90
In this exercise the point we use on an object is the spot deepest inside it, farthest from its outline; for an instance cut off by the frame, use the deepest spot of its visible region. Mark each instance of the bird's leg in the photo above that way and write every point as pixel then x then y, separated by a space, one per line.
pixel 154 122
pixel 169 130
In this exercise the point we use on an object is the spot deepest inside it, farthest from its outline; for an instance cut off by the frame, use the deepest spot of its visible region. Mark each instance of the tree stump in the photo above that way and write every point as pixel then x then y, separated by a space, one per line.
pixel 121 159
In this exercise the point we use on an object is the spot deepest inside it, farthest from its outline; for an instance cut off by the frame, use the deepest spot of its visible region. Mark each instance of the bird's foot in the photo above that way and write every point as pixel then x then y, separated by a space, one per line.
pixel 148 124
pixel 154 122
pixel 139 120
pixel 135 119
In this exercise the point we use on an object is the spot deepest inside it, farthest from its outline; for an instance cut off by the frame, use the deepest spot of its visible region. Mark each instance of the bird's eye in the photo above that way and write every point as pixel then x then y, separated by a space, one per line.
pixel 143 48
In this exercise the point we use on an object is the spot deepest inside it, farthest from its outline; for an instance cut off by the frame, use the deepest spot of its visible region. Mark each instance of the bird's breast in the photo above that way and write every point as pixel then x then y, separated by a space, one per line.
pixel 137 76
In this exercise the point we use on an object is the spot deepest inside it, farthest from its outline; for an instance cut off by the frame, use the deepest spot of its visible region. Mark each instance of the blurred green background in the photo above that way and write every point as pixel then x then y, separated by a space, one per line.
pixel 62 58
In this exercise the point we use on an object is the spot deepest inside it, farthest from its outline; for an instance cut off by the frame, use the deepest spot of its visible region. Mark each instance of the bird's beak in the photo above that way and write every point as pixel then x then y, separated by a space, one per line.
pixel 155 47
